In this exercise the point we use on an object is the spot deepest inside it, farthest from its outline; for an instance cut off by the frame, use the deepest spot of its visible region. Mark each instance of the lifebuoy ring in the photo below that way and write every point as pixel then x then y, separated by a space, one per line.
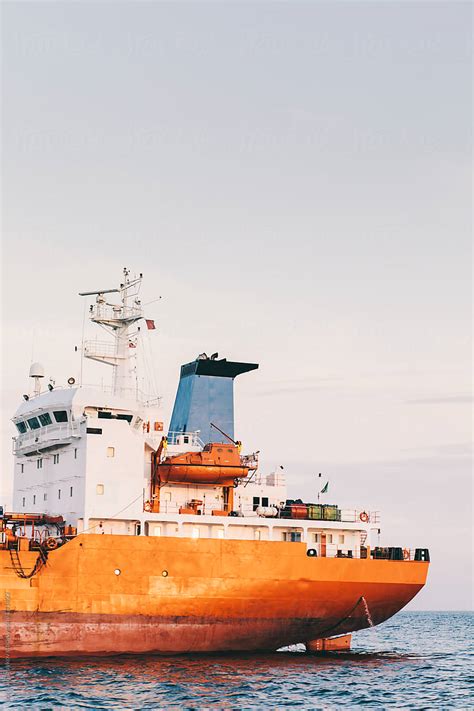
pixel 406 554
pixel 51 544
pixel 311 552
pixel 364 516
pixel 147 506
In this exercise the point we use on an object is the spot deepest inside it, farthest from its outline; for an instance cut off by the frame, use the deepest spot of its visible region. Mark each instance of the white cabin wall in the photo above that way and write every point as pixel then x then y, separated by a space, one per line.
pixel 121 475
pixel 36 490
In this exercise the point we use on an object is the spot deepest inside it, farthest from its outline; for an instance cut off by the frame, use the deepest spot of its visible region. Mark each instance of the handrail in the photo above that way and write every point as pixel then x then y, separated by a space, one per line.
pixel 180 438
pixel 61 430
pixel 171 507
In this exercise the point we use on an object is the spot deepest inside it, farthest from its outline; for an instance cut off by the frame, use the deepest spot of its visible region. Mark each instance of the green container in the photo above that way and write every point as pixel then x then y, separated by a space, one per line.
pixel 331 513
pixel 315 512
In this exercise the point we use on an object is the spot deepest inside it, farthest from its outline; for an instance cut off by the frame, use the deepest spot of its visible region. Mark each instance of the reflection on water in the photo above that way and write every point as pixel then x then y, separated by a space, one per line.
pixel 417 660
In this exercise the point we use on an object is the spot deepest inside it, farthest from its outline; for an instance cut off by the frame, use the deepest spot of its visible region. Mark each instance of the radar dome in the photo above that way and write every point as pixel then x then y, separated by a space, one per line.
pixel 36 370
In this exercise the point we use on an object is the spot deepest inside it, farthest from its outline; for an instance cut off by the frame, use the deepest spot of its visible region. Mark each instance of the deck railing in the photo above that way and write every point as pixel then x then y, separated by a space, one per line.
pixel 46 435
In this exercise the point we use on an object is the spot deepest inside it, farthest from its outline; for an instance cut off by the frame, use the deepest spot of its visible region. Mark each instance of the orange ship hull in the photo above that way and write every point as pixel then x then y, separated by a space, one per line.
pixel 179 595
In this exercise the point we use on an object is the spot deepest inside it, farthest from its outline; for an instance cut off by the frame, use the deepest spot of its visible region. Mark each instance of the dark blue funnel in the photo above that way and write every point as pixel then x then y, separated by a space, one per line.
pixel 206 394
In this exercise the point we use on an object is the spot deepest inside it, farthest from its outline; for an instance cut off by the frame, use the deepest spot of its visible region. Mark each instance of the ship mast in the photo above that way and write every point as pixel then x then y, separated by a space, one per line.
pixel 119 320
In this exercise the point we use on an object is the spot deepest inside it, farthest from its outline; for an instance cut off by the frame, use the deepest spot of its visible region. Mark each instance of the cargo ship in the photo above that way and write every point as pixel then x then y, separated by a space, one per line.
pixel 126 536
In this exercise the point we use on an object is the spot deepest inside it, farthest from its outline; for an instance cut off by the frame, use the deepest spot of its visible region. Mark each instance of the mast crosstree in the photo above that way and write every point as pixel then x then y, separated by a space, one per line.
pixel 119 320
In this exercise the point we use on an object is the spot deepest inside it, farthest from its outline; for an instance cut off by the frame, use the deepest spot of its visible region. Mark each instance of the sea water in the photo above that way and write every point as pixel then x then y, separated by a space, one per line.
pixel 416 660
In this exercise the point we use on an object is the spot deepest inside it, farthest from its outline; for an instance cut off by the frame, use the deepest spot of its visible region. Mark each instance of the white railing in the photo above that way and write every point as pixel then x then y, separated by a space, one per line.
pixel 45 436
pixel 206 508
pixel 119 313
pixel 100 349
pixel 181 438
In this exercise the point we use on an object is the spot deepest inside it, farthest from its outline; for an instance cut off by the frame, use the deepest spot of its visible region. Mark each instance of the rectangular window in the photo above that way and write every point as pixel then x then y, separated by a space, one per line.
pixel 341 539
pixel 256 502
pixel 55 458
pixel 257 535
pixel 60 415
pixel 316 537
pixel 45 497
pixel 293 536
pixel 39 463
pixel 59 493
pixel 70 491
pixel 264 500
pixel 34 498
pixel 34 423
pixel 45 419
pixel 111 451
pixel 93 430
pixel 75 453
pixel 22 468
pixel 21 427
pixel 330 538
pixel 104 415
pixel 156 530
pixel 99 489
pixel 23 502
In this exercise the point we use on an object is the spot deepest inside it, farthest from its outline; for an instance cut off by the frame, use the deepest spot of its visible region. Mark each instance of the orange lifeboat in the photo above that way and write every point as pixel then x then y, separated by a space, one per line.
pixel 217 464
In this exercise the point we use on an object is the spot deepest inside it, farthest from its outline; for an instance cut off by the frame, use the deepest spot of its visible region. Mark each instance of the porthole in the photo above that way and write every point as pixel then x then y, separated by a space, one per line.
pixel 117 571
pixel 165 573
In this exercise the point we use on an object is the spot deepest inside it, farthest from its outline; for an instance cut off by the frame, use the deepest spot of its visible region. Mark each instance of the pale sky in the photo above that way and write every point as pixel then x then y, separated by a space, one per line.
pixel 294 179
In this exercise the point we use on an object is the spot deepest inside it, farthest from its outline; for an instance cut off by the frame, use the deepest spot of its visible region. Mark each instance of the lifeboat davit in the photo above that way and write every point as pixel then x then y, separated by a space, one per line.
pixel 217 464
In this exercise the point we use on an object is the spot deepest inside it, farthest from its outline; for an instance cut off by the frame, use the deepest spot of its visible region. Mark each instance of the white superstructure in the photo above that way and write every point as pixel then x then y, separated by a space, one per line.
pixel 86 455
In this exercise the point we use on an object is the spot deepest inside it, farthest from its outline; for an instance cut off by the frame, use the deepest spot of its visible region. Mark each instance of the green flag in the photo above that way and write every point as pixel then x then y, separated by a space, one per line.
pixel 325 488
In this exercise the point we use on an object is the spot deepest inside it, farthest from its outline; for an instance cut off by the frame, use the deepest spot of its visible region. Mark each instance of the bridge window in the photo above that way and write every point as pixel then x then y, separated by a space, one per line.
pixel 59 493
pixel 21 427
pixel 39 463
pixel 264 500
pixel 34 498
pixel 45 497
pixel 45 419
pixel 23 502
pixel 22 468
pixel 33 423
pixel 75 453
pixel 70 491
pixel 55 458
pixel 60 415
pixel 256 502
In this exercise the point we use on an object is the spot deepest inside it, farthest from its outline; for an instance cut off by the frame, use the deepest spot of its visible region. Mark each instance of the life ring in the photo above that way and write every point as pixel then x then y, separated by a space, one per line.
pixel 311 552
pixel 364 516
pixel 406 554
pixel 147 506
pixel 51 544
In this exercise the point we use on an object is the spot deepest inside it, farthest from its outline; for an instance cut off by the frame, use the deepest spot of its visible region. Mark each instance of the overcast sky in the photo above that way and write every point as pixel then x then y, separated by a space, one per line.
pixel 294 180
